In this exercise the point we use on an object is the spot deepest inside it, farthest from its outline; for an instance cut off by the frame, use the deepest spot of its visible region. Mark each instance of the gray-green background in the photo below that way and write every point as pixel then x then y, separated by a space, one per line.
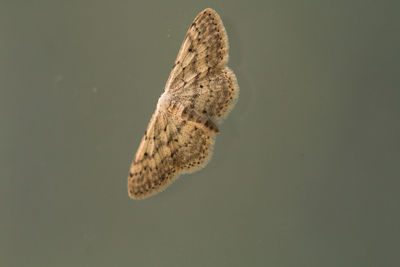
pixel 305 172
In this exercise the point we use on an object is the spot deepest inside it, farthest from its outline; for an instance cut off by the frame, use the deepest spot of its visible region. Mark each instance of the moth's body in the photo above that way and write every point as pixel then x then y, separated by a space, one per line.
pixel 199 92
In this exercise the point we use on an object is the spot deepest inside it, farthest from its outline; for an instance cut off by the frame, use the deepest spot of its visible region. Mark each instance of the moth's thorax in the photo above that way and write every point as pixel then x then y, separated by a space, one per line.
pixel 164 101
pixel 167 103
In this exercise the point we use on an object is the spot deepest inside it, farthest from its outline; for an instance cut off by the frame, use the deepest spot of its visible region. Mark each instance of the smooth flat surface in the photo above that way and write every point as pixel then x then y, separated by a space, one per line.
pixel 305 171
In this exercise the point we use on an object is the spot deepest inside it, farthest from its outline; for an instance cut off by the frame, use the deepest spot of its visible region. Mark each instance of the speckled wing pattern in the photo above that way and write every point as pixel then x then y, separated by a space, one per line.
pixel 200 90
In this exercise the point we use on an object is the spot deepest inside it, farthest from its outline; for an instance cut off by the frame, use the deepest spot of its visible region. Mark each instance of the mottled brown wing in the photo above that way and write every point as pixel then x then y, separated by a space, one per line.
pixel 169 147
pixel 213 96
pixel 200 79
pixel 204 49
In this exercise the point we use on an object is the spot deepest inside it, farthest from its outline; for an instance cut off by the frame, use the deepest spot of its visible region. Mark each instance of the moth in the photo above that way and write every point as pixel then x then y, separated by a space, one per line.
pixel 200 91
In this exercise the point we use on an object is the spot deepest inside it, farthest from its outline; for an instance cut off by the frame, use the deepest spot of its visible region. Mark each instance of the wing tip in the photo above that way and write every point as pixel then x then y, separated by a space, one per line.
pixel 150 191
pixel 217 17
